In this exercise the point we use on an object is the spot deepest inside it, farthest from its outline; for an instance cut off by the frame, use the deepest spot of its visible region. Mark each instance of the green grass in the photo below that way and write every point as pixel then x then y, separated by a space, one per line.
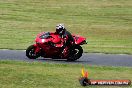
pixel 105 23
pixel 16 74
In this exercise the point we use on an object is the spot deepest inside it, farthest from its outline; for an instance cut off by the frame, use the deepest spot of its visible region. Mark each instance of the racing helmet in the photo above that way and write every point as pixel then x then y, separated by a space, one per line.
pixel 60 29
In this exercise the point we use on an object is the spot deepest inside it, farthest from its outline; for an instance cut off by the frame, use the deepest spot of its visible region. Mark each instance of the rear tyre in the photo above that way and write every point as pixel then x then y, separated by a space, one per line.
pixel 30 52
pixel 75 53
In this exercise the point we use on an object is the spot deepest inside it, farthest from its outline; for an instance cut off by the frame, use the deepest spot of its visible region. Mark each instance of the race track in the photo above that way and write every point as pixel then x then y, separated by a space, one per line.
pixel 87 58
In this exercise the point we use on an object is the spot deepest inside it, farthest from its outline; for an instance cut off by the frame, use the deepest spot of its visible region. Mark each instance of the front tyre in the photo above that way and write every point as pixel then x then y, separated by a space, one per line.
pixel 76 53
pixel 30 52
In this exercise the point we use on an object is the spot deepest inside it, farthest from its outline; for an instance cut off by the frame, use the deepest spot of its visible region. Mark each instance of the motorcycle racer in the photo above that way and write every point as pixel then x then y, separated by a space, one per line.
pixel 65 35
pixel 57 45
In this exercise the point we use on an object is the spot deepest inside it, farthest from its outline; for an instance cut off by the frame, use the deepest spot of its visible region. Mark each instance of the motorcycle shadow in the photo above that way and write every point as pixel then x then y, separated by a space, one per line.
pixel 62 60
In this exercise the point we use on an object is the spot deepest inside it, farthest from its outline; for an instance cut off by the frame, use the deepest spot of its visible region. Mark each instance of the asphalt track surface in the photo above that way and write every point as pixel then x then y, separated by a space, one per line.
pixel 87 58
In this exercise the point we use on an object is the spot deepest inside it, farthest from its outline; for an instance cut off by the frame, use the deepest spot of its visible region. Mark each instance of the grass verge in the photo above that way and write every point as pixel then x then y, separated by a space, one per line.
pixel 16 74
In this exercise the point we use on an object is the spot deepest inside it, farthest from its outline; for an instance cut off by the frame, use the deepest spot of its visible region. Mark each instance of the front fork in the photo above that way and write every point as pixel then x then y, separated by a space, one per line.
pixel 37 49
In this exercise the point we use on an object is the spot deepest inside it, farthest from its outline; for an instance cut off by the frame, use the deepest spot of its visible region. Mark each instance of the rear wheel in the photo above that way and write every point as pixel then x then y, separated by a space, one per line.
pixel 75 53
pixel 30 52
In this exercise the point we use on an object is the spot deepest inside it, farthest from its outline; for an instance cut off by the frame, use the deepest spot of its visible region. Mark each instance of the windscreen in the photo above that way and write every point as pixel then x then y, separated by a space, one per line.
pixel 45 35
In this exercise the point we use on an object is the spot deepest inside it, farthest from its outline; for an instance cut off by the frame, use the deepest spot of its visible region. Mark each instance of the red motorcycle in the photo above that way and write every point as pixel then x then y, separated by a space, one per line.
pixel 44 47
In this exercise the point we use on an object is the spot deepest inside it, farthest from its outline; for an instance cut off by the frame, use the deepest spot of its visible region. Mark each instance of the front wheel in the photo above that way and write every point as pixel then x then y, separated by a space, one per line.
pixel 75 53
pixel 30 52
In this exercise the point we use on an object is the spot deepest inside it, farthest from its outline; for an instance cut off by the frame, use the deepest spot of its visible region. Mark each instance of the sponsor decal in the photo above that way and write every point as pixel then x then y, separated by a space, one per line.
pixel 85 81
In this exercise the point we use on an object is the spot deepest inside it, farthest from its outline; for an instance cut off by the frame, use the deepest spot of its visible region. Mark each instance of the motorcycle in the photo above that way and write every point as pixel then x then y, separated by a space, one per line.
pixel 44 47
